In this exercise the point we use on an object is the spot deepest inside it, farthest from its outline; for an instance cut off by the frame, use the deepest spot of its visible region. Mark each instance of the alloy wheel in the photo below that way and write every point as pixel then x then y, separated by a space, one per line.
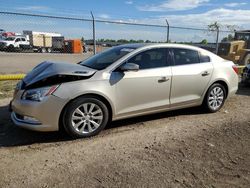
pixel 216 98
pixel 87 118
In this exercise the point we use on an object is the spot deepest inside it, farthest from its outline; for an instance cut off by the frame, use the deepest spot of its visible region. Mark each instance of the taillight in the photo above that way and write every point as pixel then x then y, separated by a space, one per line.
pixel 235 68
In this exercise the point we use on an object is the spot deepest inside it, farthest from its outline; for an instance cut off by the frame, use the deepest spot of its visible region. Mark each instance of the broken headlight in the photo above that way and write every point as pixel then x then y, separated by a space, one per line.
pixel 38 94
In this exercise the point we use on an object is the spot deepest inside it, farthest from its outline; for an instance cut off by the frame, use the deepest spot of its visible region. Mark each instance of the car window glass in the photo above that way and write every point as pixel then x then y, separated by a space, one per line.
pixel 185 56
pixel 17 40
pixel 23 39
pixel 106 58
pixel 204 58
pixel 153 58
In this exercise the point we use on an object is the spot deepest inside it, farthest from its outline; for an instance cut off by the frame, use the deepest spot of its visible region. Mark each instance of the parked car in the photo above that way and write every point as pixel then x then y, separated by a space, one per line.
pixel 14 42
pixel 246 75
pixel 121 82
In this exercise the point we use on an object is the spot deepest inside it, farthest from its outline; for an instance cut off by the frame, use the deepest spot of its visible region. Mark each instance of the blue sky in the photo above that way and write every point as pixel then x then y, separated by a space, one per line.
pixel 190 13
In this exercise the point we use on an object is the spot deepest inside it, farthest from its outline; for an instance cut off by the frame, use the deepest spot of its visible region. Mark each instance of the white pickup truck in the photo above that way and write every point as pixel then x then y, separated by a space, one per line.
pixel 15 42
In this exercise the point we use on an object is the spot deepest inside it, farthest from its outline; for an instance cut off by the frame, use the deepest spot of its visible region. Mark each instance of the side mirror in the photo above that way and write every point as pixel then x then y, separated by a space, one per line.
pixel 129 67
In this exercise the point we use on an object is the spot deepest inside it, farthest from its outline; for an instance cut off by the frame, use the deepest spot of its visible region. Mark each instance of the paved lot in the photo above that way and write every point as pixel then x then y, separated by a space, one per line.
pixel 184 148
pixel 24 62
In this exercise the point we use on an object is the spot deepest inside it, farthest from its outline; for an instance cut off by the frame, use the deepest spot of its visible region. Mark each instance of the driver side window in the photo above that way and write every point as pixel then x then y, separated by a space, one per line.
pixel 154 58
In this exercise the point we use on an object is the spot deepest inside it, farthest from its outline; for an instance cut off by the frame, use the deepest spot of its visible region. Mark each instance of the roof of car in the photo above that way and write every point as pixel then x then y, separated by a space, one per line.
pixel 172 45
pixel 133 45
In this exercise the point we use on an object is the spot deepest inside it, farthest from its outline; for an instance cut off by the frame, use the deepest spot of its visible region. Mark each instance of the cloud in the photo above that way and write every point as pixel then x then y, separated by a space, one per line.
pixel 174 5
pixel 129 2
pixel 33 8
pixel 103 16
pixel 223 16
pixel 234 4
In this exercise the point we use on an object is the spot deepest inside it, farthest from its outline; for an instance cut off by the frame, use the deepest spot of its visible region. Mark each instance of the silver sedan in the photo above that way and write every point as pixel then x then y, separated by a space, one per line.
pixel 122 82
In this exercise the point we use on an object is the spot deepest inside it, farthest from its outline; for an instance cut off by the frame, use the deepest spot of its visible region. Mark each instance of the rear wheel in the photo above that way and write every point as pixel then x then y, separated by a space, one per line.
pixel 247 60
pixel 11 48
pixel 49 50
pixel 215 98
pixel 43 50
pixel 85 117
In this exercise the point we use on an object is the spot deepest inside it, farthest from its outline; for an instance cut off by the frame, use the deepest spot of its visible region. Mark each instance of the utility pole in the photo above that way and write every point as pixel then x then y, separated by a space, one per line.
pixel 167 31
pixel 94 40
pixel 217 40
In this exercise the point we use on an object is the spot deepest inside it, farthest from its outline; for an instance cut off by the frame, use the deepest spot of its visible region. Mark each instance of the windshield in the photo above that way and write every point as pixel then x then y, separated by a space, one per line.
pixel 10 39
pixel 242 36
pixel 106 58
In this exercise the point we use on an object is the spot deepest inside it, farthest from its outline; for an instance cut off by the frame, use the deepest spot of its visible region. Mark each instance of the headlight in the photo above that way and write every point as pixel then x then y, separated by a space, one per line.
pixel 38 94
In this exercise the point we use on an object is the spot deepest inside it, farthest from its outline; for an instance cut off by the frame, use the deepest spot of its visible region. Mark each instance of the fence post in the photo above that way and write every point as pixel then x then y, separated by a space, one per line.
pixel 167 31
pixel 94 40
pixel 217 40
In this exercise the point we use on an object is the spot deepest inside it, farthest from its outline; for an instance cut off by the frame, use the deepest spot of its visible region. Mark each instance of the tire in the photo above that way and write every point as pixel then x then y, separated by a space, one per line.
pixel 43 50
pixel 49 50
pixel 11 48
pixel 215 98
pixel 246 60
pixel 85 117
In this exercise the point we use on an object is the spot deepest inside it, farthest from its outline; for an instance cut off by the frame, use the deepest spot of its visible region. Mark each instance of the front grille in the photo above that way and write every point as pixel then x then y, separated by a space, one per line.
pixel 224 49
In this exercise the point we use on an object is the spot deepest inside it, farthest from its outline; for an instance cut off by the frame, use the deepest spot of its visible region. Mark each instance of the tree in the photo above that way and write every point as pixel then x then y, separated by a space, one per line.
pixel 82 39
pixel 204 41
pixel 228 38
pixel 122 41
pixel 140 41
pixel 214 27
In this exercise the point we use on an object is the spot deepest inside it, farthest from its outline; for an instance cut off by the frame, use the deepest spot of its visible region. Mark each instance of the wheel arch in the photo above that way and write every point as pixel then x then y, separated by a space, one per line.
pixel 220 81
pixel 245 56
pixel 93 95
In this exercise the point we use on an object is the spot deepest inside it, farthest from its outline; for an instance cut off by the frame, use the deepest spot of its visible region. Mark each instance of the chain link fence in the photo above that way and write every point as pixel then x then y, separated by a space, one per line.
pixel 90 31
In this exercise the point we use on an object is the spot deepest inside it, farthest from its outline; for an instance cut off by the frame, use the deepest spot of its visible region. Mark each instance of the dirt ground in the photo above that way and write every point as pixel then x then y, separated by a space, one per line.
pixel 184 148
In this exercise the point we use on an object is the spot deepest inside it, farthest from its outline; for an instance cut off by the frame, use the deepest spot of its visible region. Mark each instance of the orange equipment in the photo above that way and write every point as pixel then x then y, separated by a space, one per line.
pixel 73 46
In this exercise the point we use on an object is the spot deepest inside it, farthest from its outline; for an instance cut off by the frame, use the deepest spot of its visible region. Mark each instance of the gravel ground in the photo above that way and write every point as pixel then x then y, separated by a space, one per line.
pixel 184 148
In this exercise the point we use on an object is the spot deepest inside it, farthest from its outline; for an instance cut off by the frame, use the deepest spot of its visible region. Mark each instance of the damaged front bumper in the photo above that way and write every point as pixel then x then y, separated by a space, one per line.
pixel 38 116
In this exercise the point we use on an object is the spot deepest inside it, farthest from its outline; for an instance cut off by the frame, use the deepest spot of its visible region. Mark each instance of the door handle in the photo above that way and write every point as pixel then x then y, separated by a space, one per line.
pixel 163 79
pixel 205 73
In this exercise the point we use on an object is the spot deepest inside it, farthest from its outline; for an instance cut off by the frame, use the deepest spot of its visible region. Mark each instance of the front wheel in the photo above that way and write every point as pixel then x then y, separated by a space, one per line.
pixel 215 98
pixel 85 117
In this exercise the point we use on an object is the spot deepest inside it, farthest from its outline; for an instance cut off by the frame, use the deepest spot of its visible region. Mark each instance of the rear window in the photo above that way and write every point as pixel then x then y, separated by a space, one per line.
pixel 204 58
pixel 185 56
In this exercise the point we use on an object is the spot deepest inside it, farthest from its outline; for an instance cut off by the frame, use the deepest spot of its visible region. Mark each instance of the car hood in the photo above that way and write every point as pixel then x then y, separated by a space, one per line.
pixel 47 70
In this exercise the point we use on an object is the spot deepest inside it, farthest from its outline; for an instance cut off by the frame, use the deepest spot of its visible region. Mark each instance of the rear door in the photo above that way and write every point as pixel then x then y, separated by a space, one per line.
pixel 191 74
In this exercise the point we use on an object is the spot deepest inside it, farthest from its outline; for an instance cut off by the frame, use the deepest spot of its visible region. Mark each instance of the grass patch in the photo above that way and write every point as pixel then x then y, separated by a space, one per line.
pixel 7 88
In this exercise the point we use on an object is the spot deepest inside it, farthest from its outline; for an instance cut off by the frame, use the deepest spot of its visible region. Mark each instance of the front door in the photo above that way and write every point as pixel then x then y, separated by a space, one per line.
pixel 147 89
